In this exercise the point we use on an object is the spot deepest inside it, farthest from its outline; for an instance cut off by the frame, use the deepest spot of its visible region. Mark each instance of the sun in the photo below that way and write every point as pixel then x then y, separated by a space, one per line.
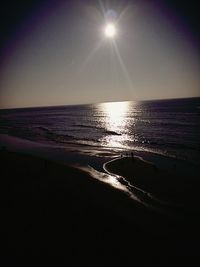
pixel 110 30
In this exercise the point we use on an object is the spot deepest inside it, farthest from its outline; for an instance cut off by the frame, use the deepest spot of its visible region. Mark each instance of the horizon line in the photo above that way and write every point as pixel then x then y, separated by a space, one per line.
pixel 95 103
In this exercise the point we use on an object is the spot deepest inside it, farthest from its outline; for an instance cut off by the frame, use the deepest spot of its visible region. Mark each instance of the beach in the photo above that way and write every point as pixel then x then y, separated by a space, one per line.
pixel 56 213
pixel 81 186
pixel 167 184
pixel 99 133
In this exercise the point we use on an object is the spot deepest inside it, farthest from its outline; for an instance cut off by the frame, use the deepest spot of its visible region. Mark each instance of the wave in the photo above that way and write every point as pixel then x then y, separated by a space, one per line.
pixel 86 126
pixel 46 132
pixel 175 145
pixel 63 138
pixel 41 128
pixel 104 131
pixel 178 124
pixel 112 132
pixel 161 122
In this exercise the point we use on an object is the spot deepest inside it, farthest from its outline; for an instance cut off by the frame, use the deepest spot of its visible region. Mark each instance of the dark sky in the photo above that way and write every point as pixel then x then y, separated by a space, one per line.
pixel 13 13
pixel 37 55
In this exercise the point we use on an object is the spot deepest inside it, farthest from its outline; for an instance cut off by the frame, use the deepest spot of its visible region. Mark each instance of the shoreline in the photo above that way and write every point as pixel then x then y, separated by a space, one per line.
pixel 81 182
pixel 84 151
pixel 95 178
pixel 96 163
pixel 92 164
pixel 156 183
pixel 162 187
pixel 51 207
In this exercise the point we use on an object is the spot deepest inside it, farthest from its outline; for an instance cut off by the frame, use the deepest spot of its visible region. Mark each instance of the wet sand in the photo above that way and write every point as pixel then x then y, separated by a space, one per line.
pixel 164 184
pixel 59 214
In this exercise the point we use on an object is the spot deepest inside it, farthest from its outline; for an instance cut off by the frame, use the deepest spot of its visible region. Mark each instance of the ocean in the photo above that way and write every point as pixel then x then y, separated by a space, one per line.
pixel 169 128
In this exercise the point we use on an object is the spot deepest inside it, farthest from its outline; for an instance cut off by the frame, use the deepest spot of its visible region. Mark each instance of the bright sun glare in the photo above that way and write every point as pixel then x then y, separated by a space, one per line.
pixel 110 30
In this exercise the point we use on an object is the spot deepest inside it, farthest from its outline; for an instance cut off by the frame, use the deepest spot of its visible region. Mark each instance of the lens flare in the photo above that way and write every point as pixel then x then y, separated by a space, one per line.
pixel 110 30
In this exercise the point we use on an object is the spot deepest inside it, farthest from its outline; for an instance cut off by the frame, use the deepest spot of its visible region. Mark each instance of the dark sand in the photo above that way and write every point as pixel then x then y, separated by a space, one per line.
pixel 164 184
pixel 52 213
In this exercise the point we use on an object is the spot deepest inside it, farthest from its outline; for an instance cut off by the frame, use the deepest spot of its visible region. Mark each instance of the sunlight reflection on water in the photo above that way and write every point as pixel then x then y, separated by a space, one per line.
pixel 112 180
pixel 117 121
pixel 106 178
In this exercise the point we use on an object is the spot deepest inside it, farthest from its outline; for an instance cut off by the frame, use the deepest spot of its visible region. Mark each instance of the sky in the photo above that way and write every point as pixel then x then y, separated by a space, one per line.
pixel 56 52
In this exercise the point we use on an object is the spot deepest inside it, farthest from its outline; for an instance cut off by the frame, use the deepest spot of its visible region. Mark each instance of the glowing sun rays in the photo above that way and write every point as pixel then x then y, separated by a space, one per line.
pixel 110 35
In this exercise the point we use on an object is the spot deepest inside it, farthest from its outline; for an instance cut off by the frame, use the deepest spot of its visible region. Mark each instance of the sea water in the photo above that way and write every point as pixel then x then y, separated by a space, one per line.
pixel 169 128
